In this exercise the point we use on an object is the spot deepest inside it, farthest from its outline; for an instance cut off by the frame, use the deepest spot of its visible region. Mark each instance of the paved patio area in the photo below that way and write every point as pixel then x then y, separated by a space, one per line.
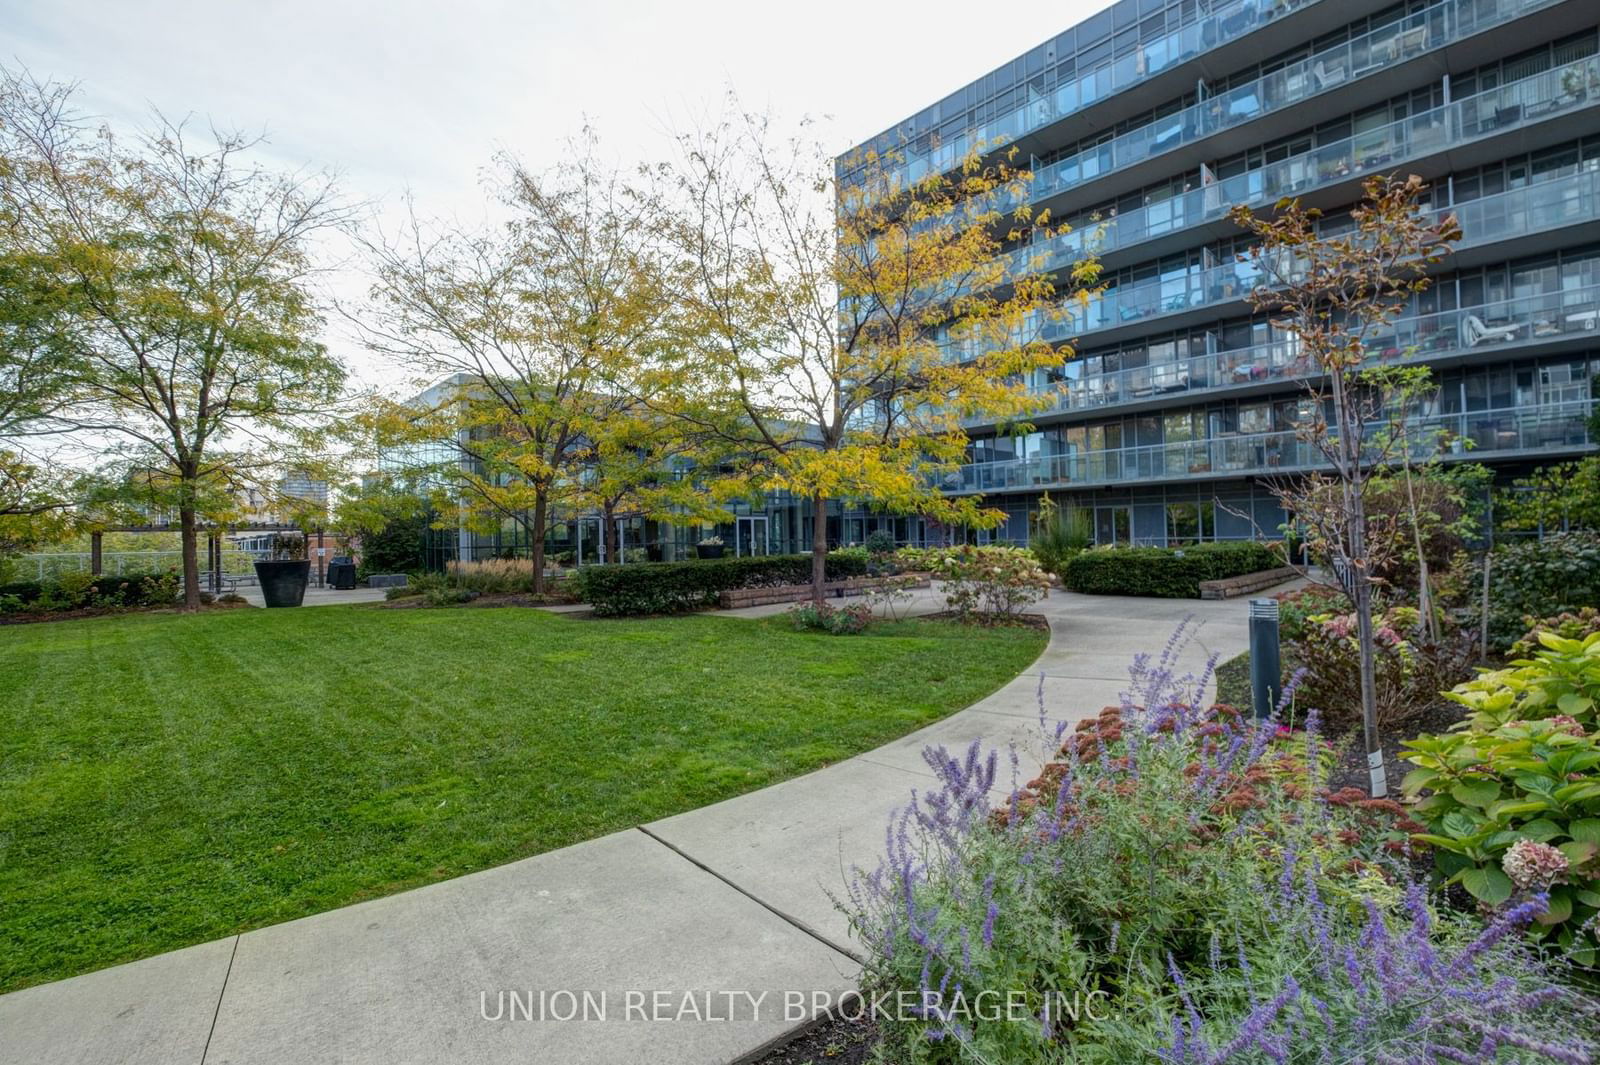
pixel 727 901
pixel 322 596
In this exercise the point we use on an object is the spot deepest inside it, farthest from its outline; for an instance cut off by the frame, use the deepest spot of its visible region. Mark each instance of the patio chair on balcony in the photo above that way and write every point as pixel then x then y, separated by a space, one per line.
pixel 1476 332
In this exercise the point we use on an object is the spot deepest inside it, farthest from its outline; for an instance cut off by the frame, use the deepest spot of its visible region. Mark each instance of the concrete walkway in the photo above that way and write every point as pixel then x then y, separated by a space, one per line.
pixel 728 903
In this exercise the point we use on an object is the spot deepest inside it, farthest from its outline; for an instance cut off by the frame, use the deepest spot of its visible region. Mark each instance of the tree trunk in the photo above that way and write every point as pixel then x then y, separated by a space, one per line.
pixel 541 505
pixel 1361 594
pixel 819 546
pixel 191 562
pixel 608 523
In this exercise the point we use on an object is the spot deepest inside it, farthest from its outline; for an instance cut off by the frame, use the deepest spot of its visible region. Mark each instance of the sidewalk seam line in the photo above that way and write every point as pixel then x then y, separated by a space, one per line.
pixel 758 900
pixel 223 990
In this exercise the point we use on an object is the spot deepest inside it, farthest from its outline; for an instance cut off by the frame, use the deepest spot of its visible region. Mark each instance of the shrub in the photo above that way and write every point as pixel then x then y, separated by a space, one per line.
pixel 1179 886
pixel 1568 626
pixel 449 595
pixel 840 620
pixel 1563 678
pixel 1525 770
pixel 1540 578
pixel 1299 605
pixel 1172 573
pixel 993 581
pixel 79 591
pixel 879 542
pixel 672 587
pixel 1409 669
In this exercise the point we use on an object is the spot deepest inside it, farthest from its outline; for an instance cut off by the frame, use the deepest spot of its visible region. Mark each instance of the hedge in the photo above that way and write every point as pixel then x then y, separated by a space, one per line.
pixel 672 587
pixel 1164 572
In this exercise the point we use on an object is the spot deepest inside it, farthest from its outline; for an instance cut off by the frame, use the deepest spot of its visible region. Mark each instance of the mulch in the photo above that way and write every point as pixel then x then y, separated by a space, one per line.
pixel 413 602
pixel 993 621
pixel 1351 769
pixel 835 1041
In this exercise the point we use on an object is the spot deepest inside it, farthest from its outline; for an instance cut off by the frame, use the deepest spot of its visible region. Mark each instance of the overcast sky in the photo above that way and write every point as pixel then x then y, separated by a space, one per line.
pixel 419 94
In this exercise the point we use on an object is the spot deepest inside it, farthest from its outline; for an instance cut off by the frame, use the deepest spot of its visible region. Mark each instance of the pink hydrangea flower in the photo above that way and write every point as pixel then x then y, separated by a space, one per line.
pixel 1533 866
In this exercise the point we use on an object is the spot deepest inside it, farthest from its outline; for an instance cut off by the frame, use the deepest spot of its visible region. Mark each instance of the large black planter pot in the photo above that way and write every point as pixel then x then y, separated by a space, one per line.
pixel 709 550
pixel 284 583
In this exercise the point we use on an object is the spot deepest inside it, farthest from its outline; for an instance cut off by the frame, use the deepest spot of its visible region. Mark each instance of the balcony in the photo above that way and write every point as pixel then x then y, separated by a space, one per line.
pixel 1562 319
pixel 1438 26
pixel 1551 429
pixel 1497 112
pixel 1229 23
pixel 1568 203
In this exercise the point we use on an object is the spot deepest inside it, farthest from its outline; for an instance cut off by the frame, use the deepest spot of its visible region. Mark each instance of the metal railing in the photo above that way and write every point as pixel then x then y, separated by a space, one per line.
pixel 1434 27
pixel 1502 324
pixel 1509 107
pixel 1227 24
pixel 1560 426
pixel 1545 205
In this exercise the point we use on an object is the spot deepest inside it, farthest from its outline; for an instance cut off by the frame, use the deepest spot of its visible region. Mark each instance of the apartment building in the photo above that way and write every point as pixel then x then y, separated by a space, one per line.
pixel 1147 122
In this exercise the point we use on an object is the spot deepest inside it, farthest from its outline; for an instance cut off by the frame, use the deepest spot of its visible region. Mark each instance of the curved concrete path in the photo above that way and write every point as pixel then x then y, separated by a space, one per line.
pixel 674 930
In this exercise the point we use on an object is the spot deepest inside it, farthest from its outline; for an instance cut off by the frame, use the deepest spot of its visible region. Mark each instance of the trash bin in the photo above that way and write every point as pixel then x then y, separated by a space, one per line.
pixel 342 573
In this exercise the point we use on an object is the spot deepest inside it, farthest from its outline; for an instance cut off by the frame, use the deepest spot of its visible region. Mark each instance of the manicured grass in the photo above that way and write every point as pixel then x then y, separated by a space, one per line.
pixel 165 780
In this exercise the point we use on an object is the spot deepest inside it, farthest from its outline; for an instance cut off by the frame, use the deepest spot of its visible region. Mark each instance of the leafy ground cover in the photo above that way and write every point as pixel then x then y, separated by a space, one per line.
pixel 166 780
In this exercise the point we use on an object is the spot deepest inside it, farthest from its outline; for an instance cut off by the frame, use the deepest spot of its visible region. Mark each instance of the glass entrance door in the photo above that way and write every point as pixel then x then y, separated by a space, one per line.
pixel 750 536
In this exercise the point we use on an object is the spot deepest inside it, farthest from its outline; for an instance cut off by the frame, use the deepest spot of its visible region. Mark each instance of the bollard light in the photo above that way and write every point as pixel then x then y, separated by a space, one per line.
pixel 1266 666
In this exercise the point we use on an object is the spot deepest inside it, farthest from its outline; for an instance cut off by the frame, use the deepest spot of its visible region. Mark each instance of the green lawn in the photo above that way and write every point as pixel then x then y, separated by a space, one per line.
pixel 165 780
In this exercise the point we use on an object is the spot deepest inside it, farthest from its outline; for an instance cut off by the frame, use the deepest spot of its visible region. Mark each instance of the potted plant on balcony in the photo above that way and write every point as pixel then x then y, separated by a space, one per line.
pixel 709 547
pixel 1574 86
pixel 284 577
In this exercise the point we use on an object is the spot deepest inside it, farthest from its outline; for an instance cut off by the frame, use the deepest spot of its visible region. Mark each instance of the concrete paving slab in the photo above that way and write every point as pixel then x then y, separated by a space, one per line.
pixel 408 978
pixel 791 846
pixel 152 1012
pixel 322 596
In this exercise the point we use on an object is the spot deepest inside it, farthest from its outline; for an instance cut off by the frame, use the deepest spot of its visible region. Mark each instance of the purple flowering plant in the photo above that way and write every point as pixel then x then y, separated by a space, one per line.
pixel 1178 884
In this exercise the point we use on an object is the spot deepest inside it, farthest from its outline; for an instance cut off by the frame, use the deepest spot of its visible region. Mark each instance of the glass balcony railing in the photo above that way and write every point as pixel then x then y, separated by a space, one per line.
pixel 1481 434
pixel 1433 27
pixel 1496 111
pixel 1502 324
pixel 1545 205
pixel 1228 23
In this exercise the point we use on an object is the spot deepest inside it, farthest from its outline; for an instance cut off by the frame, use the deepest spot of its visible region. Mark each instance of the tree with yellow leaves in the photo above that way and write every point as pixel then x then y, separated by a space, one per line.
pixel 531 332
pixel 839 326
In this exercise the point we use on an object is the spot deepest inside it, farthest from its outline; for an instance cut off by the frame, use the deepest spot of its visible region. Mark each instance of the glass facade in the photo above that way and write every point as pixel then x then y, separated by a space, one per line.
pixel 1178 404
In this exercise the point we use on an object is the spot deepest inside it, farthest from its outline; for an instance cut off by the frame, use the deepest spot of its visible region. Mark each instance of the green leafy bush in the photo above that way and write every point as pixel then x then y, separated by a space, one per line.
pixel 1297 607
pixel 673 587
pixel 1540 578
pixel 1172 573
pixel 1563 678
pixel 995 582
pixel 1571 626
pixel 1524 782
pixel 879 542
pixel 1525 768
pixel 79 591
pixel 845 620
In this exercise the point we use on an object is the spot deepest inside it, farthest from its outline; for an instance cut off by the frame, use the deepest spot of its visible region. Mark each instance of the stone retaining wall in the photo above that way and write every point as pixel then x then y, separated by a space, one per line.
pixel 1232 587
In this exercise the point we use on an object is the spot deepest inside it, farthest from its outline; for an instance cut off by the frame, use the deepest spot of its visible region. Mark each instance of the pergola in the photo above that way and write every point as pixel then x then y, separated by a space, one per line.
pixel 213 541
